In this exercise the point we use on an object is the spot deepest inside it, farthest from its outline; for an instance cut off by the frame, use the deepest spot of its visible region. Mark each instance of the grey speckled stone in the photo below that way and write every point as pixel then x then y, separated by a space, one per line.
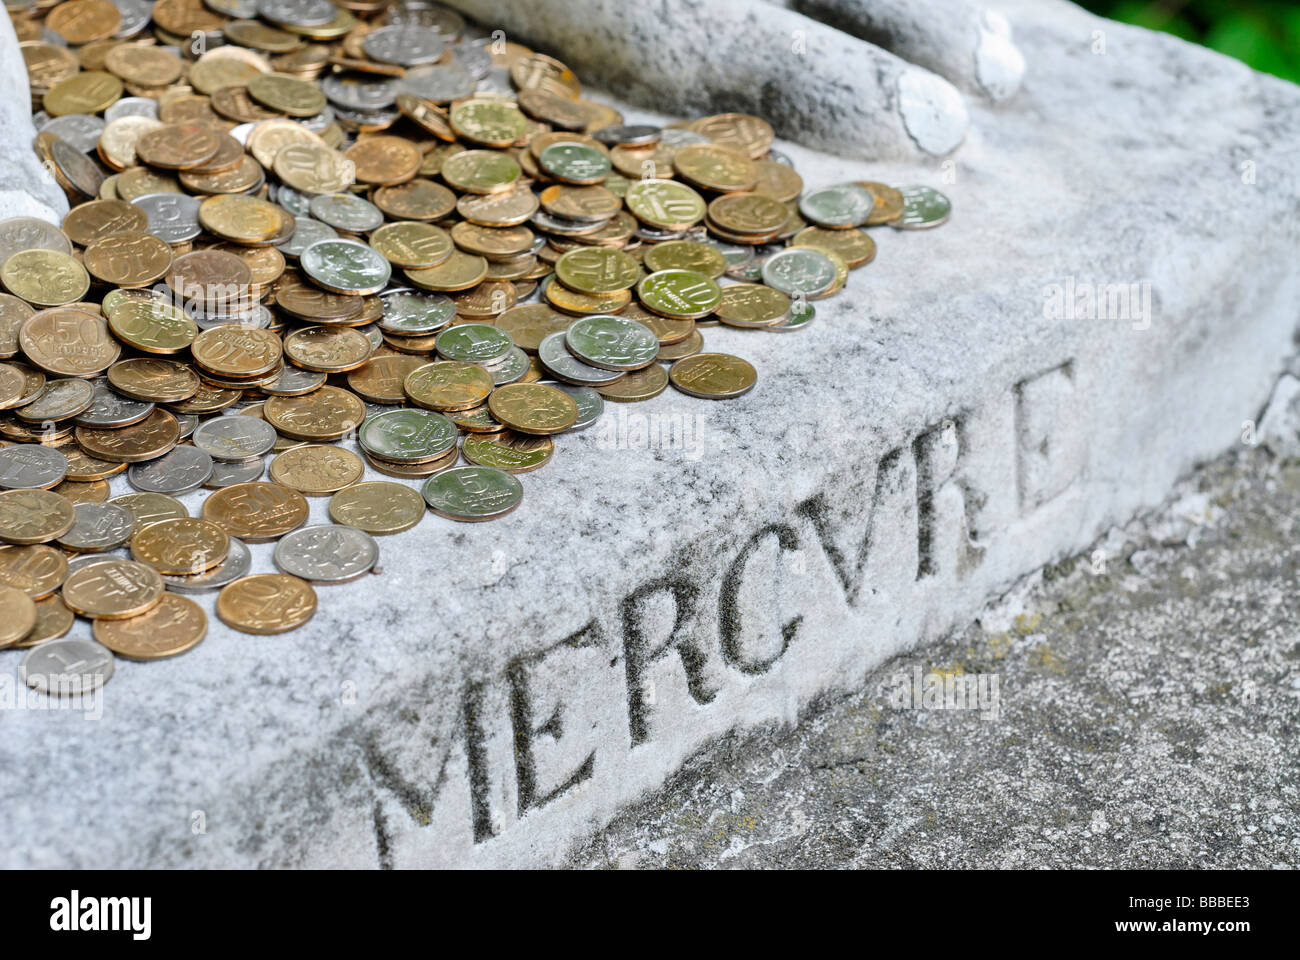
pixel 501 690
pixel 27 189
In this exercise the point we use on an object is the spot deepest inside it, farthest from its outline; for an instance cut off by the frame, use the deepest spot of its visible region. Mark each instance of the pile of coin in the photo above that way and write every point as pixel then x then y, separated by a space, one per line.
pixel 341 235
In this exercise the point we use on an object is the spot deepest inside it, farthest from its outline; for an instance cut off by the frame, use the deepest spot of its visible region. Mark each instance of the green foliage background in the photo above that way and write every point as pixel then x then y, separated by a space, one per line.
pixel 1262 33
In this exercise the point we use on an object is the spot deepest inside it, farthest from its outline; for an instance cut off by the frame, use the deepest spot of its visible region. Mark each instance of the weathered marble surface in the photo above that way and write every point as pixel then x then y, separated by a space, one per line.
pixel 502 689
pixel 27 189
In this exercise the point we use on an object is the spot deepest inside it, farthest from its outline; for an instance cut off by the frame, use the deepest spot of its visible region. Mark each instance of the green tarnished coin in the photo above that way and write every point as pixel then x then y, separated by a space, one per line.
pixel 597 270
pixel 681 294
pixel 573 162
pixel 473 343
pixel 923 207
pixel 480 171
pixel 694 255
pixel 489 122
pixel 407 436
pixel 297 98
pixel 472 493
pixel 840 206
pixel 801 314
pixel 507 450
pixel 612 343
pixel 150 325
pixel 665 204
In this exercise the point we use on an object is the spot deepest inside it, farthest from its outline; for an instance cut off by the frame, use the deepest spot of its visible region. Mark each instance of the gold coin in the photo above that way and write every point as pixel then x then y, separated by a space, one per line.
pixel 694 255
pixel 853 246
pixel 412 244
pixel 637 385
pixel 325 414
pixel 427 114
pixel 384 160
pixel 113 590
pixel 536 71
pixel 243 219
pixel 748 134
pixel 377 507
pixel 230 350
pixel 594 203
pixel 234 103
pixel 265 264
pixel 507 208
pixel 561 112
pixel 381 379
pixel 530 324
pixel 246 175
pixel 448 385
pixel 78 491
pixel 36 570
pixel 181 547
pixel 12 386
pixel 644 163
pixel 748 213
pixel 291 95
pixel 150 438
pixel 182 18
pixel 153 380
pixel 34 516
pixel 67 342
pixel 713 376
pixel 152 326
pixel 91 91
pixel 98 219
pixel 46 63
pixel 319 306
pixel 493 242
pixel 489 299
pixel 128 260
pixel 489 123
pixel 213 71
pixel 208 399
pixel 585 304
pixel 477 419
pixel 509 451
pixel 82 467
pixel 413 471
pixel 257 511
pixel 889 202
pixel 12 314
pixel 45 278
pixel 150 508
pixel 460 271
pixel 666 329
pixel 533 408
pixel 778 180
pixel 141 181
pixel 177 146
pixel 317 470
pixel 752 305
pixel 116 146
pixel 145 66
pixel 480 171
pixel 17 615
pixel 175 625
pixel 327 349
pixel 597 271
pixel 313 167
pixel 691 345
pixel 260 36
pixel 665 204
pixel 53 620
pixel 715 167
pixel 266 603
pixel 417 199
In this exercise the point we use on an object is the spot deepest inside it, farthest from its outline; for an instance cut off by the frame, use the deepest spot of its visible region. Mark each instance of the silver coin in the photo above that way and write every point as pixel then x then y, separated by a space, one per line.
pixel 480 343
pixel 473 56
pixel 306 231
pixel 360 93
pixel 239 559
pixel 626 133
pixel 49 36
pixel 173 217
pixel 87 559
pixel 590 403
pixel 414 312
pixel 381 118
pixel 186 422
pixel 182 469
pixel 256 316
pixel 39 118
pixel 30 466
pixel 85 173
pixel 406 46
pixel 346 266
pixel 132 107
pixel 923 207
pixel 681 137
pixel 110 409
pixel 472 493
pixel 778 157
pixel 79 129
pixel 423 13
pixel 229 474
pixel 98 526
pixel 838 206
pixel 298 13
pixel 68 666
pixel 510 368
pixel 346 211
pixel 320 122
pixel 497 81
pixel 612 343
pixel 407 436
pixel 563 365
pixel 235 438
pixel 799 270
pixel 327 553
pixel 136 15
pixel 299 204
pixel 294 382
pixel 567 225
pixel 28 233
pixel 238 9
pixel 61 400
pixel 441 83
pixel 801 314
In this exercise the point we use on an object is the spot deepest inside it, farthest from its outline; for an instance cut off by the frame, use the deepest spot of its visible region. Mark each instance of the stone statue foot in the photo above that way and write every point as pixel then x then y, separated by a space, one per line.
pixel 874 79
